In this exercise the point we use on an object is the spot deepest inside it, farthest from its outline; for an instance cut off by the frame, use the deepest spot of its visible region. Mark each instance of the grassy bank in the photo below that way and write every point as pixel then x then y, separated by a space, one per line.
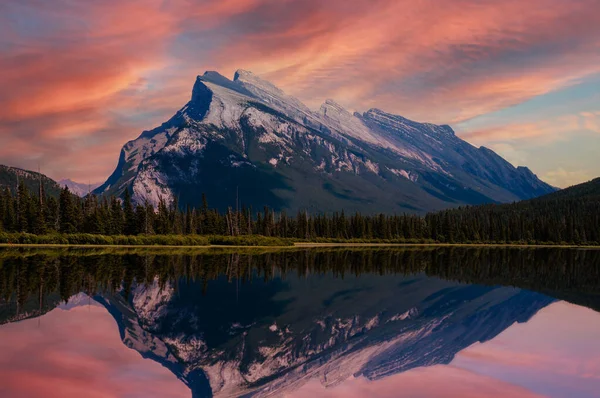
pixel 142 240
pixel 8 239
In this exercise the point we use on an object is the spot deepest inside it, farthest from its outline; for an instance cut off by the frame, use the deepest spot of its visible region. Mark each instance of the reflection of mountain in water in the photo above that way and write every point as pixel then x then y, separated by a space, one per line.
pixel 266 337
pixel 298 314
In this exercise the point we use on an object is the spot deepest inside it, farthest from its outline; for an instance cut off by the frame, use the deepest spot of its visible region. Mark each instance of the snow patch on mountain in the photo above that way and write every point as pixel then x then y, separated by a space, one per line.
pixel 78 300
pixel 413 312
pixel 409 175
pixel 150 300
pixel 188 143
pixel 144 147
pixel 270 94
pixel 152 186
pixel 339 119
pixel 373 167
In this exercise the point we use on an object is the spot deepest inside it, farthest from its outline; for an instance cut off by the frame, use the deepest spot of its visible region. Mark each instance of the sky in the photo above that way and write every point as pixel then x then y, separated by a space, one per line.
pixel 78 352
pixel 80 79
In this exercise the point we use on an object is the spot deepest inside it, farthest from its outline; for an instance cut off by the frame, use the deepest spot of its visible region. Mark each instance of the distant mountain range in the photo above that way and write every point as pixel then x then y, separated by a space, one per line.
pixel 247 136
pixel 10 175
pixel 78 188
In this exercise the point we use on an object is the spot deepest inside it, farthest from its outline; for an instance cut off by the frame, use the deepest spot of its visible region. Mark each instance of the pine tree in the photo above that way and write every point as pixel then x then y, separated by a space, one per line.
pixel 117 219
pixel 130 227
pixel 67 222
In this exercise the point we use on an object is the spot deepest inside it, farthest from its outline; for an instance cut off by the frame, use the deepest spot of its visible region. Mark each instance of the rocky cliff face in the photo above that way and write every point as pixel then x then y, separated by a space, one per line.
pixel 248 135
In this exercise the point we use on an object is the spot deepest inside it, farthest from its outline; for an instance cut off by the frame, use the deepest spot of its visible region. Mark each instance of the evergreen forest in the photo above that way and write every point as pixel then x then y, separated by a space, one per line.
pixel 570 216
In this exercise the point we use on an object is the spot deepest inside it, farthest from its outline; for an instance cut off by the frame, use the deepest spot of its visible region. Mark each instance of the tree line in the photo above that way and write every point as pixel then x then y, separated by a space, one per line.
pixel 568 219
pixel 33 282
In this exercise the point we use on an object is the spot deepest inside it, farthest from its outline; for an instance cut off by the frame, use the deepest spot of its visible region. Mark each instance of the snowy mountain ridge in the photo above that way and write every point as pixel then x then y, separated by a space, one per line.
pixel 247 133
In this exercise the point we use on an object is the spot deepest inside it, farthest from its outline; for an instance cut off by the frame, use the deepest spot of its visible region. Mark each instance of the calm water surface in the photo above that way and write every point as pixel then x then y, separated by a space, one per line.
pixel 438 322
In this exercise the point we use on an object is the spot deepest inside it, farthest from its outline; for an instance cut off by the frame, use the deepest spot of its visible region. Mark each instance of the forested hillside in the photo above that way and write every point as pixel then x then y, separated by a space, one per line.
pixel 11 176
pixel 572 216
pixel 588 190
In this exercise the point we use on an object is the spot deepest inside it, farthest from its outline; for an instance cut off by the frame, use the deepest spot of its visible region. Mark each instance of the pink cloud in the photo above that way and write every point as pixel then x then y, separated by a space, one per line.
pixel 95 74
pixel 553 128
pixel 462 63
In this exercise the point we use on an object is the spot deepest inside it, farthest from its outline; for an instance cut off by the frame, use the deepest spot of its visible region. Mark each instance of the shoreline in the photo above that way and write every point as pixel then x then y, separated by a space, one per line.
pixel 298 245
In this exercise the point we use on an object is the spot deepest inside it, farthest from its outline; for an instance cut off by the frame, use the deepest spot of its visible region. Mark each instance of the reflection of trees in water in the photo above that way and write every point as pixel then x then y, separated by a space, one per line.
pixel 32 281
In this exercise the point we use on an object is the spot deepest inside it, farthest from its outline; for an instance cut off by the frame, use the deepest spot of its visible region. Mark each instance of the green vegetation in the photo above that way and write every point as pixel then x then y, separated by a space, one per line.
pixel 570 217
pixel 31 280
pixel 141 240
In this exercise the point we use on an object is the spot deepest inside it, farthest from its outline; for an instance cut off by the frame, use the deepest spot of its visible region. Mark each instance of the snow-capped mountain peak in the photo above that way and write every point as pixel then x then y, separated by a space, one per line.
pixel 248 78
pixel 247 132
pixel 271 94
pixel 332 109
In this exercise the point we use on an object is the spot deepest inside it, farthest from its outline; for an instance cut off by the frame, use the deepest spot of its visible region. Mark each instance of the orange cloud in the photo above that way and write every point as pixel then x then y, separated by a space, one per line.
pixel 412 57
pixel 74 67
pixel 563 178
pixel 550 129
pixel 69 91
pixel 97 73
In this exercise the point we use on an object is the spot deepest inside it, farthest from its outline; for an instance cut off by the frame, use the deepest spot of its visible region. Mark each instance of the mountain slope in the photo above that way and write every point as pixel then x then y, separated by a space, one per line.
pixel 10 175
pixel 248 136
pixel 77 188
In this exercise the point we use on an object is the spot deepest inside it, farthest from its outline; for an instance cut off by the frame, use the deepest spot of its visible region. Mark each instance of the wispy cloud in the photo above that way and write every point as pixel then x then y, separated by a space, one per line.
pixel 80 76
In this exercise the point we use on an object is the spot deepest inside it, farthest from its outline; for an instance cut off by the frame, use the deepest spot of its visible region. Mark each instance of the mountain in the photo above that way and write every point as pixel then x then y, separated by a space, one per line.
pixel 267 338
pixel 245 135
pixel 9 176
pixel 77 188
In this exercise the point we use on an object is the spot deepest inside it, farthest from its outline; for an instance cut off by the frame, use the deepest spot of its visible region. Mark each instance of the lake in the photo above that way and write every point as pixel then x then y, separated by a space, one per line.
pixel 325 322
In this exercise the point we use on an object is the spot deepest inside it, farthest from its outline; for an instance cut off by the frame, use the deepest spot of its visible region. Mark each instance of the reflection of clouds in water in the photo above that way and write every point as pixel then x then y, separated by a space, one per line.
pixel 435 381
pixel 555 354
pixel 77 353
